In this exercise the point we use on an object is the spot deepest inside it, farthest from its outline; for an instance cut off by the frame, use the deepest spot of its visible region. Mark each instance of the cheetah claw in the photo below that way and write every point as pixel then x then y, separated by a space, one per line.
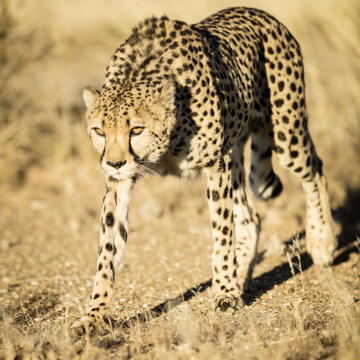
pixel 224 302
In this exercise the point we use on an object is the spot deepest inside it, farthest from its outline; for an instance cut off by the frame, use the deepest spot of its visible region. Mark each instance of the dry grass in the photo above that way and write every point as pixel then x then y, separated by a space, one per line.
pixel 49 51
pixel 192 331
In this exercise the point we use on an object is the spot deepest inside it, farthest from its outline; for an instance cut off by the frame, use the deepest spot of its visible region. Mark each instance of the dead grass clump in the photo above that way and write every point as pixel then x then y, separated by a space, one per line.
pixel 185 332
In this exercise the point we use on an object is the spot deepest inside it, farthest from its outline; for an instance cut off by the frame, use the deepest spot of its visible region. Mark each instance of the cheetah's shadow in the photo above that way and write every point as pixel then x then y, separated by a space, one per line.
pixel 348 216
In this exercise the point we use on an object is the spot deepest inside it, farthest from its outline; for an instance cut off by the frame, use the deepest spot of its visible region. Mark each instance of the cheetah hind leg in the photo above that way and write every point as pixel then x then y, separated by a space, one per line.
pixel 320 239
pixel 264 183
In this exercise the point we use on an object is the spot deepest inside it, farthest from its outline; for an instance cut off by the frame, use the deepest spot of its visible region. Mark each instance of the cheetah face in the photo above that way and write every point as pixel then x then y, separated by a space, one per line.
pixel 131 130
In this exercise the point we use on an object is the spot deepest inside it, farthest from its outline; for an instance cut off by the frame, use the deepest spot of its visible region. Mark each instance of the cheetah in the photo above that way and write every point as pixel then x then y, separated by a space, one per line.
pixel 182 100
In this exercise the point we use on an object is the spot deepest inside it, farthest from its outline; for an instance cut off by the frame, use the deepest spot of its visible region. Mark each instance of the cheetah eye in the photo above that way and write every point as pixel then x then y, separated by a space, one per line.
pixel 99 132
pixel 136 130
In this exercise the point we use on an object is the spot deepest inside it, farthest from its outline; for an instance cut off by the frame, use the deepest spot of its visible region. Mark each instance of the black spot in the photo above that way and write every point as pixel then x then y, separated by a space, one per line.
pixel 294 140
pixel 285 119
pixel 294 154
pixel 96 296
pixel 223 242
pixel 215 195
pixel 100 267
pixel 281 85
pixel 225 267
pixel 226 190
pixel 210 164
pixel 123 232
pixel 225 230
pixel 226 214
pixel 109 220
pixel 279 103
pixel 281 136
pixel 109 247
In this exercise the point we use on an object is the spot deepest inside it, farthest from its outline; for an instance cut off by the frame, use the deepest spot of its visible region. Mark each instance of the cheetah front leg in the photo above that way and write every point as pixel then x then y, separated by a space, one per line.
pixel 220 197
pixel 113 237
pixel 246 221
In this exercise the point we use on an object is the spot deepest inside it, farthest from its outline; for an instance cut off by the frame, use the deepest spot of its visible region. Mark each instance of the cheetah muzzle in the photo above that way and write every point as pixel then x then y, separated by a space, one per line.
pixel 183 99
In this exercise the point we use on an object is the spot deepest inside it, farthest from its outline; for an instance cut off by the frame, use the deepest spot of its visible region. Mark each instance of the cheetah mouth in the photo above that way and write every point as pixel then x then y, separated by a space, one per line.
pixel 120 175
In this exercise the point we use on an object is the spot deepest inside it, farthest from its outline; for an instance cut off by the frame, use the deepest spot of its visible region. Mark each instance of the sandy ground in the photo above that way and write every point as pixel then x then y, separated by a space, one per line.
pixel 48 247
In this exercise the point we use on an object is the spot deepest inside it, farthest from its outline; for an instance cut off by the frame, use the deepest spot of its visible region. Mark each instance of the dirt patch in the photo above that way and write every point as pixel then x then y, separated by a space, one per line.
pixel 49 237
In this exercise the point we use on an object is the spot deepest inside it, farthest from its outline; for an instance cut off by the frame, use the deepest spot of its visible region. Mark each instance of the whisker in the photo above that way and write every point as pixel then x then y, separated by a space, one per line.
pixel 150 162
pixel 144 169
pixel 98 171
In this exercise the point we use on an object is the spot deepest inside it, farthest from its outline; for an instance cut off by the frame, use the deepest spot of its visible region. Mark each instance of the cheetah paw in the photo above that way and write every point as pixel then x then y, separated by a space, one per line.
pixel 322 257
pixel 322 250
pixel 225 302
pixel 88 324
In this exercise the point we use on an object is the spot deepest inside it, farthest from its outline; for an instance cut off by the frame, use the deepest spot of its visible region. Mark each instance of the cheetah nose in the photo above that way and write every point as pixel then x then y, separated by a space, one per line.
pixel 117 165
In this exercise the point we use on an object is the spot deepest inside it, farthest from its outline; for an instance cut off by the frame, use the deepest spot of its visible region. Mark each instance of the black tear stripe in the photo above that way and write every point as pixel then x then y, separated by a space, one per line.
pixel 102 156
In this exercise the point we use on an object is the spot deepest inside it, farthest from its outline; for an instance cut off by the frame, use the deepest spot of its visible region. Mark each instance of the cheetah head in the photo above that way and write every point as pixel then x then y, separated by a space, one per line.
pixel 130 128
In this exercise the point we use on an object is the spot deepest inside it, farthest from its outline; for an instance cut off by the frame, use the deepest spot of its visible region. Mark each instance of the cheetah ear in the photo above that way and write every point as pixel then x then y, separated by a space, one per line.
pixel 167 95
pixel 90 96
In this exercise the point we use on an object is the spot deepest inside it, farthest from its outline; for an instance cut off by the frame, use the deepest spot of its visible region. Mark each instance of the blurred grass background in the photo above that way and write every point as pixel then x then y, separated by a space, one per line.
pixel 50 50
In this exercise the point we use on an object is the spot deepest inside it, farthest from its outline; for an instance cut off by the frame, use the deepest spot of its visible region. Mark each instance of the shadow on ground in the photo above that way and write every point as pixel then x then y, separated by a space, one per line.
pixel 348 216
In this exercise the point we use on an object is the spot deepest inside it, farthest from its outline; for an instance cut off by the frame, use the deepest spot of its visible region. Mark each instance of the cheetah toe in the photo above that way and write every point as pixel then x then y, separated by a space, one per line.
pixel 322 256
pixel 89 324
pixel 322 249
pixel 224 302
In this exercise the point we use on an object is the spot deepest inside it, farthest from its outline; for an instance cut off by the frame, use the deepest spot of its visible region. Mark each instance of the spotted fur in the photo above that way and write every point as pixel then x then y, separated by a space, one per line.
pixel 183 99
